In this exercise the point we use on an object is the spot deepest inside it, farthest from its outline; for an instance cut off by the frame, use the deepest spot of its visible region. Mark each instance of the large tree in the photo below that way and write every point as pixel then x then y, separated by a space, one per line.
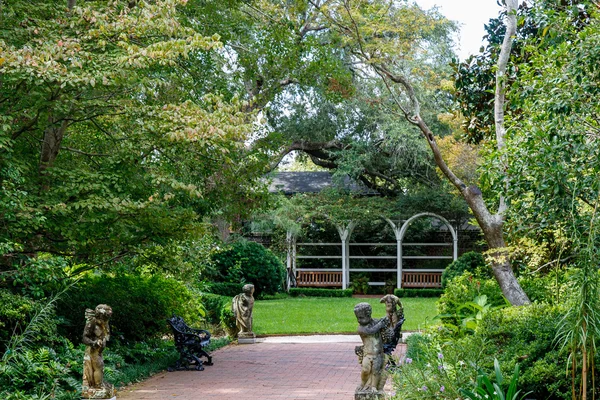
pixel 109 140
pixel 381 38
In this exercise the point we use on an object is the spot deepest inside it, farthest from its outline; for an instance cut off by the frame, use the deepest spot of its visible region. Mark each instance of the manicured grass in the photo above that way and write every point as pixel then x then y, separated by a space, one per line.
pixel 331 315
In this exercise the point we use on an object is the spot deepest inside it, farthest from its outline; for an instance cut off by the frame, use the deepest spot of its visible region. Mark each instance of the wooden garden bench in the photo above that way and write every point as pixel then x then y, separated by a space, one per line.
pixel 190 343
pixel 318 279
pixel 421 279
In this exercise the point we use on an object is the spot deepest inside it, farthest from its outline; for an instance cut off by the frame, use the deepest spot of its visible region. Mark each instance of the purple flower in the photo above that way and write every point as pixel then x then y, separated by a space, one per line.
pixel 440 356
pixel 408 360
pixel 440 367
pixel 442 388
pixel 424 388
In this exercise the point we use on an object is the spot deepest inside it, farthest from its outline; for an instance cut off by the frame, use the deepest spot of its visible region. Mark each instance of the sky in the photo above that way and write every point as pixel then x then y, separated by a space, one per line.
pixel 471 15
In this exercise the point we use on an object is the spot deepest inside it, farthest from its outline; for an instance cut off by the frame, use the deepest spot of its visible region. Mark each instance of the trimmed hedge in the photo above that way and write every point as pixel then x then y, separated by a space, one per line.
pixel 315 292
pixel 418 292
pixel 250 262
pixel 225 288
pixel 141 305
pixel 218 312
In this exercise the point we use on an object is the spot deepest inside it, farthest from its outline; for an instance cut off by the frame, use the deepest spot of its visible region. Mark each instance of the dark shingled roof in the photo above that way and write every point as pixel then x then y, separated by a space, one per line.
pixel 312 182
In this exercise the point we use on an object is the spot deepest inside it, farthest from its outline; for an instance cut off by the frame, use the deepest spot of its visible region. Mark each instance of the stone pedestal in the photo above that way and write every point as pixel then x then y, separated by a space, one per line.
pixel 246 338
pixel 112 398
pixel 107 392
pixel 368 395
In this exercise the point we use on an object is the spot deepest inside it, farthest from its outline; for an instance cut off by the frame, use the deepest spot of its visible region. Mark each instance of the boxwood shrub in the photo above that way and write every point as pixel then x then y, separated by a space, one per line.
pixel 218 312
pixel 418 292
pixel 224 288
pixel 472 262
pixel 141 305
pixel 250 262
pixel 318 292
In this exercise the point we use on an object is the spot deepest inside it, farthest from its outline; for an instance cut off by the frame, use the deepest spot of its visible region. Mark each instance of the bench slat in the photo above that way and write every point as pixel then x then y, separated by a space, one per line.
pixel 318 279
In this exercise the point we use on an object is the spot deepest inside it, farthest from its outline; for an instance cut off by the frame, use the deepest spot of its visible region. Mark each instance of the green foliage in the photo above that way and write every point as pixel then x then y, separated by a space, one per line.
pixel 486 389
pixel 224 288
pixel 213 304
pixel 141 305
pixel 435 369
pixel 37 370
pixel 418 292
pixel 92 184
pixel 468 315
pixel 464 289
pixel 472 262
pixel 360 284
pixel 317 292
pixel 249 262
pixel 526 335
pixel 227 320
pixel 15 312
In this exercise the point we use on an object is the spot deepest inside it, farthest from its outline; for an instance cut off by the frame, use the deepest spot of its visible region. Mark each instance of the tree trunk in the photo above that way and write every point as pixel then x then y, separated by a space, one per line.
pixel 490 224
pixel 53 136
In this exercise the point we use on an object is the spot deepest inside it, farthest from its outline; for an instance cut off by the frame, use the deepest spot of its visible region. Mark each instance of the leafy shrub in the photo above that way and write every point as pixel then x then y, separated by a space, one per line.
pixel 316 292
pixel 228 320
pixel 360 284
pixel 250 262
pixel 38 370
pixel 465 288
pixel 435 368
pixel 224 288
pixel 141 305
pixel 472 262
pixel 17 311
pixel 525 335
pixel 418 292
pixel 213 304
pixel 551 288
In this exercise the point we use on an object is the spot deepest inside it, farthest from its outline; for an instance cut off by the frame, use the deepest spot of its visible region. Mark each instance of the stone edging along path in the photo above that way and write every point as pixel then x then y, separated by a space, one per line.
pixel 280 367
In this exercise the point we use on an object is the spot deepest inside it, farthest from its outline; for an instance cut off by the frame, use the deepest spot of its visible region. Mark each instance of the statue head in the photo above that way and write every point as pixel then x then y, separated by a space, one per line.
pixel 363 313
pixel 391 302
pixel 248 289
pixel 103 311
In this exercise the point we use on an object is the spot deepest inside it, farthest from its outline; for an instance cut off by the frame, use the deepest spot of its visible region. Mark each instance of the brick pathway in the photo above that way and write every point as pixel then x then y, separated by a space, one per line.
pixel 262 371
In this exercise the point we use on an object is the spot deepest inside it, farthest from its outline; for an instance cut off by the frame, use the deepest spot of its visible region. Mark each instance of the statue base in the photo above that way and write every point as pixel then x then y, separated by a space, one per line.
pixel 108 392
pixel 369 395
pixel 112 398
pixel 246 338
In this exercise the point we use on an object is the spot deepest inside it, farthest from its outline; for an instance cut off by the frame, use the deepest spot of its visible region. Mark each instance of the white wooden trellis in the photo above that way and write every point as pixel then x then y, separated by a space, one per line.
pixel 345 231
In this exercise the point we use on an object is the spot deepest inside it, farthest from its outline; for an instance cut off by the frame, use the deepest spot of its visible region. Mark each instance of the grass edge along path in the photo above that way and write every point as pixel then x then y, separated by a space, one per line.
pixel 319 315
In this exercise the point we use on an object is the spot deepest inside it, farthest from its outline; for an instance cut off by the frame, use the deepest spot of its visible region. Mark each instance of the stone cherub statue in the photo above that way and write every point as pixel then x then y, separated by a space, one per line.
pixel 370 354
pixel 391 334
pixel 95 335
pixel 242 306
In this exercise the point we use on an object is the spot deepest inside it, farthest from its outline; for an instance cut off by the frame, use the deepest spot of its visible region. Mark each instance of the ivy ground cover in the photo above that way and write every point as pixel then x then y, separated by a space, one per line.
pixel 331 315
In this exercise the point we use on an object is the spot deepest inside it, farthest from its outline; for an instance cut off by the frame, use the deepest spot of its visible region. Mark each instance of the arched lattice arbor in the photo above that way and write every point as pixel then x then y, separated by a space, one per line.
pixel 340 276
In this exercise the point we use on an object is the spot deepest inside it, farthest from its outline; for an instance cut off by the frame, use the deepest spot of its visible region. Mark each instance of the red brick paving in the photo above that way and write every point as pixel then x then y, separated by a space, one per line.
pixel 261 371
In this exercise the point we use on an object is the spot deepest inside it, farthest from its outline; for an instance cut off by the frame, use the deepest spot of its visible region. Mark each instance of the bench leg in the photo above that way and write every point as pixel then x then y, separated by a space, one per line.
pixel 203 353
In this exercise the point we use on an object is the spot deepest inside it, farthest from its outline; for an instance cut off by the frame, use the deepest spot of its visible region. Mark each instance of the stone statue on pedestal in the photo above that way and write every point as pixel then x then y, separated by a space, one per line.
pixel 242 306
pixel 370 354
pixel 95 335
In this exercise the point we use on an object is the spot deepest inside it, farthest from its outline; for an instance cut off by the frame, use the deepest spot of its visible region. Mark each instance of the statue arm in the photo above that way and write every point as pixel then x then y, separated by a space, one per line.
pixel 88 335
pixel 378 326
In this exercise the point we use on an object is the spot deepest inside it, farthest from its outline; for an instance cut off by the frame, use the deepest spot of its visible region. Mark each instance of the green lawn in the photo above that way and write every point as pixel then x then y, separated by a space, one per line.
pixel 330 315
